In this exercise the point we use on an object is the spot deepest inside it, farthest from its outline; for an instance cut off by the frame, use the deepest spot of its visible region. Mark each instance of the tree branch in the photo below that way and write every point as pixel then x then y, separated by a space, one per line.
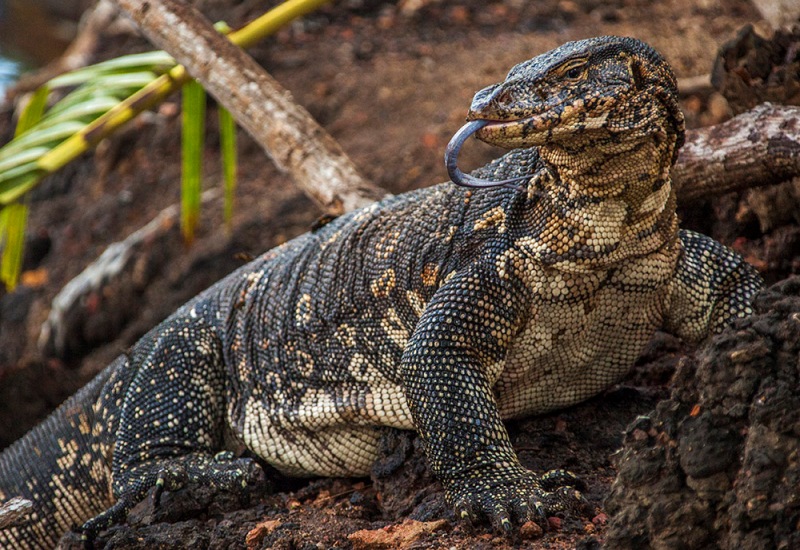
pixel 289 135
pixel 759 147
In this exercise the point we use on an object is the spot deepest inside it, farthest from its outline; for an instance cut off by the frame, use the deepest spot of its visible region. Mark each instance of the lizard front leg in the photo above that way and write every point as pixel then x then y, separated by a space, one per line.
pixel 448 369
pixel 713 285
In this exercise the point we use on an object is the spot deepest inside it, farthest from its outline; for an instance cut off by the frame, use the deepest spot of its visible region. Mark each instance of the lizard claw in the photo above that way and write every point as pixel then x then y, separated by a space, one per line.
pixel 517 499
pixel 501 522
pixel 170 478
pixel 223 471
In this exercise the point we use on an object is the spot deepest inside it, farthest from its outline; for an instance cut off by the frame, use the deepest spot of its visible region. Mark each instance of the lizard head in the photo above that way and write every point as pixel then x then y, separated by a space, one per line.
pixel 584 92
pixel 607 83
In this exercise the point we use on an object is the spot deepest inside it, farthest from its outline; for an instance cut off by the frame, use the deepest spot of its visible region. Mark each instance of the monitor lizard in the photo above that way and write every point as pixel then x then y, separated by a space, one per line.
pixel 444 310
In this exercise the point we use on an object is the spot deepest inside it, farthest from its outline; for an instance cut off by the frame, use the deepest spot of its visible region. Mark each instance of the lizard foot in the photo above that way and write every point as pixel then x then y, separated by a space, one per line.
pixel 506 501
pixel 222 471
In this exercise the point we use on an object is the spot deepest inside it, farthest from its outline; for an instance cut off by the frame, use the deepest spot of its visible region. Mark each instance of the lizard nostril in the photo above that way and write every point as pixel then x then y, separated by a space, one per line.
pixel 503 97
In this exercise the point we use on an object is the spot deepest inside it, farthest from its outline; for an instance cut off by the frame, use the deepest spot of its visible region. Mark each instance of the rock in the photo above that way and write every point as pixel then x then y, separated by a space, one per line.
pixel 257 534
pixel 530 530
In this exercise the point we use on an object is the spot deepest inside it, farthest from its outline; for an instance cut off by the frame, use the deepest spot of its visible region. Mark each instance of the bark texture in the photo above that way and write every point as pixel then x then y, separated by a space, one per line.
pixel 759 147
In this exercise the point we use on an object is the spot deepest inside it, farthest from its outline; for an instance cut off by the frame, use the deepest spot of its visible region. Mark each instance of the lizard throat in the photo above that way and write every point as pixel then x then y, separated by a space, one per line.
pixel 630 170
pixel 614 199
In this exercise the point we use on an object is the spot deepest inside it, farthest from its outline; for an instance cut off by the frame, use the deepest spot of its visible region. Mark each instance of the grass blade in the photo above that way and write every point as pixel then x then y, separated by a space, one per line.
pixel 79 96
pixel 14 217
pixel 28 155
pixel 41 136
pixel 23 180
pixel 194 114
pixel 86 110
pixel 227 138
pixel 33 111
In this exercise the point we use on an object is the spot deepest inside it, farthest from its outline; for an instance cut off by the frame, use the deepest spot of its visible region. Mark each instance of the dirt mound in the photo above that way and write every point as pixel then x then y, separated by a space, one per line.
pixel 717 464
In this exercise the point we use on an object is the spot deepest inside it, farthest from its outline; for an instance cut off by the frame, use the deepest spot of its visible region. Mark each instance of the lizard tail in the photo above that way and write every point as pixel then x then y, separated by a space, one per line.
pixel 62 467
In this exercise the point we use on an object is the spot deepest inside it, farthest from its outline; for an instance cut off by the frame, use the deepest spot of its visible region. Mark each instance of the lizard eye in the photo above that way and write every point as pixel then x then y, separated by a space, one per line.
pixel 574 73
pixel 573 69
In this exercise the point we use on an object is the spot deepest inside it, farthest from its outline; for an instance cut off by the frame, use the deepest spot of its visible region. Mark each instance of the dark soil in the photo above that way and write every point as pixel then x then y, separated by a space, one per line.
pixel 392 82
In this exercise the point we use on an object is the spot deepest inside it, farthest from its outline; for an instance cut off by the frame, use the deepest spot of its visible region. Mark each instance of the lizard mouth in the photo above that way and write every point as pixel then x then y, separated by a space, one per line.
pixel 490 129
pixel 531 131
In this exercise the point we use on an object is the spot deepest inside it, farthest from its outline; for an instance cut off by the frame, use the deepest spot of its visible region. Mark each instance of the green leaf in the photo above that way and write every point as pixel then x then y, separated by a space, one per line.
pixel 118 86
pixel 40 137
pixel 24 156
pixel 14 173
pixel 103 89
pixel 19 181
pixel 156 61
pixel 123 81
pixel 33 111
pixel 86 110
pixel 81 95
pixel 14 217
pixel 227 138
pixel 194 115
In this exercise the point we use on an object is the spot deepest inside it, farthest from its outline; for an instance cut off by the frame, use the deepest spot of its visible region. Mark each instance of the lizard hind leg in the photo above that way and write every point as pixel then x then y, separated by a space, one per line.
pixel 170 415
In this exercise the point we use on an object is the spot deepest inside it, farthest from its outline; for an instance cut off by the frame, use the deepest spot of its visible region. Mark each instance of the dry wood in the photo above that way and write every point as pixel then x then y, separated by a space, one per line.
pixel 289 135
pixel 759 147
pixel 14 511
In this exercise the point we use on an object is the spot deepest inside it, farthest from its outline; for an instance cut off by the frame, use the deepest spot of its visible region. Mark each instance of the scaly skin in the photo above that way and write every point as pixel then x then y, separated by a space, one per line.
pixel 444 310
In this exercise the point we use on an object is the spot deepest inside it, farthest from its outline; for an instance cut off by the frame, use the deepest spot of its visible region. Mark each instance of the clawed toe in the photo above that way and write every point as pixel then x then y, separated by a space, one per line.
pixel 518 500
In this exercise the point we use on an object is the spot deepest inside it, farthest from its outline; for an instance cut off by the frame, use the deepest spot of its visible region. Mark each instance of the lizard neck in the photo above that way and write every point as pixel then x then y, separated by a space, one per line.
pixel 604 200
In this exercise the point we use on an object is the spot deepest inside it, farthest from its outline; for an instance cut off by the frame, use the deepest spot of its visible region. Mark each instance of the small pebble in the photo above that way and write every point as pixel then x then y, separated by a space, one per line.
pixel 530 530
pixel 600 519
